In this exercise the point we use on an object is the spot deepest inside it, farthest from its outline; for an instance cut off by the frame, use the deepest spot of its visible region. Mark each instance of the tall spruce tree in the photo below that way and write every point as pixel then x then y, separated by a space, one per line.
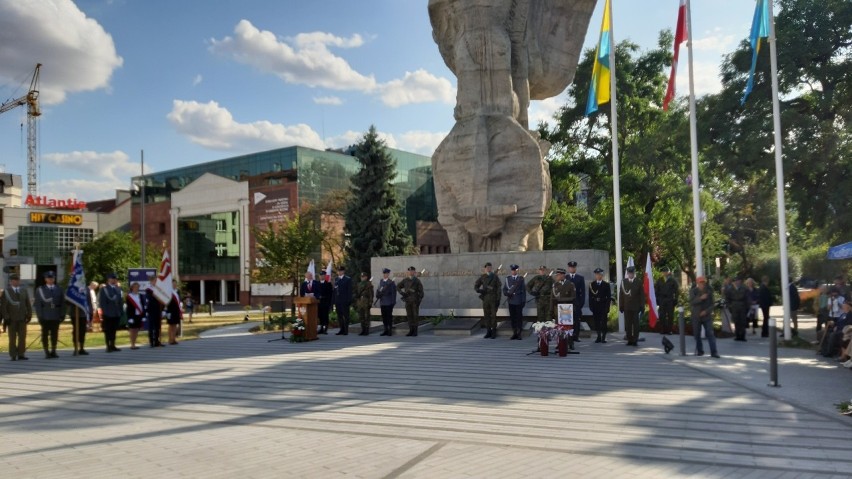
pixel 374 222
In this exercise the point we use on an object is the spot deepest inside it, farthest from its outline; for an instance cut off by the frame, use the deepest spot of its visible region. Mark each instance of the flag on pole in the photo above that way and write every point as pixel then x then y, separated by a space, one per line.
pixel 650 295
pixel 163 290
pixel 312 269
pixel 78 291
pixel 681 35
pixel 599 91
pixel 759 31
pixel 328 269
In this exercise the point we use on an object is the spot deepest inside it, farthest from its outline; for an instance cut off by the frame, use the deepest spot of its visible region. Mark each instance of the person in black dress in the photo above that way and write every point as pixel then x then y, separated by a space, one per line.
pixel 135 308
pixel 154 315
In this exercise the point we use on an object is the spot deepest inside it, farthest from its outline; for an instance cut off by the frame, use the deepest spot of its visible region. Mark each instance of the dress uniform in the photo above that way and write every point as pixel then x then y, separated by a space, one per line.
pixel 488 287
pixel 667 293
pixel 363 300
pixel 111 303
pixel 516 293
pixel 17 312
pixel 49 307
pixel 564 292
pixel 342 299
pixel 600 297
pixel 153 315
pixel 326 297
pixel 540 287
pixel 631 302
pixel 411 291
pixel 579 298
pixel 386 294
pixel 737 299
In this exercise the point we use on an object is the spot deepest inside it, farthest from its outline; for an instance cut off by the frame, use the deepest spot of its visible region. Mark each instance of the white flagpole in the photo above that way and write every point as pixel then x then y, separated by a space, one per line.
pixel 616 192
pixel 779 176
pixel 693 139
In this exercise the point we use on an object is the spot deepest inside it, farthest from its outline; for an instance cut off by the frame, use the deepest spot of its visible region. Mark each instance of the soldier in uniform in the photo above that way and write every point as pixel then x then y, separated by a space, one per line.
pixel 386 295
pixel 342 299
pixel 579 298
pixel 737 299
pixel 631 303
pixel 516 293
pixel 667 292
pixel 49 306
pixel 600 297
pixel 564 292
pixel 411 291
pixel 540 288
pixel 325 296
pixel 17 312
pixel 363 300
pixel 488 287
pixel 111 303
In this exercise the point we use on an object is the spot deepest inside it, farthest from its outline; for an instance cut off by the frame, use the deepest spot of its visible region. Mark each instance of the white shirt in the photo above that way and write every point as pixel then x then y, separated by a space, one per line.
pixel 834 306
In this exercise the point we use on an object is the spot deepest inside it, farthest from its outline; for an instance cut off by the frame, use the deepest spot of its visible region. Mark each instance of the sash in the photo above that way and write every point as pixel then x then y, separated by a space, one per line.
pixel 135 304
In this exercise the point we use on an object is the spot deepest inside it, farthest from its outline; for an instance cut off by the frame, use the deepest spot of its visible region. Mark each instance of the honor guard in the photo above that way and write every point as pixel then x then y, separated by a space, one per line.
pixel 667 291
pixel 516 295
pixel 363 300
pixel 579 298
pixel 326 297
pixel 600 297
pixel 411 291
pixel 386 296
pixel 50 310
pixel 631 303
pixel 17 312
pixel 488 287
pixel 738 302
pixel 564 292
pixel 342 299
pixel 111 302
pixel 540 287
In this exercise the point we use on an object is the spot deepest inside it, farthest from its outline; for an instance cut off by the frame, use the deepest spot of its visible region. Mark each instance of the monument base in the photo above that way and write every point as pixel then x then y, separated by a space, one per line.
pixel 458 327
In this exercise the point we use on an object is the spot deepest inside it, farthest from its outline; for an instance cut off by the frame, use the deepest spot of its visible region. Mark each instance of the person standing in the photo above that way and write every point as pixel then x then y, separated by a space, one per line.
pixel 540 287
pixel 189 306
pixel 134 306
pixel 326 297
pixel 411 290
pixel 737 299
pixel 309 287
pixel 701 302
pixel 795 304
pixel 753 304
pixel 17 312
pixel 667 293
pixel 516 293
pixel 363 301
pixel 49 307
pixel 631 302
pixel 342 299
pixel 600 298
pixel 488 287
pixel 111 303
pixel 93 306
pixel 174 314
pixel 765 300
pixel 386 294
pixel 153 315
pixel 564 292
pixel 579 298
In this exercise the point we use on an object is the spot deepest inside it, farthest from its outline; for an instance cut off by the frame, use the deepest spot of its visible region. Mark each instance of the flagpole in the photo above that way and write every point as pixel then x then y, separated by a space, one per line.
pixel 693 140
pixel 779 175
pixel 616 191
pixel 142 209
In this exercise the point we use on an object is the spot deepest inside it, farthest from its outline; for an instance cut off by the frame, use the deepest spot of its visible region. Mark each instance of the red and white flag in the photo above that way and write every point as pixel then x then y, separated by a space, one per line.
pixel 163 290
pixel 681 35
pixel 650 295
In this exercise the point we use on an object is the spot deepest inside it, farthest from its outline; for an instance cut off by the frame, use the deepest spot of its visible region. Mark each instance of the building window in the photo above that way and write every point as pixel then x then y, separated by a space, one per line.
pixel 221 249
pixel 221 226
pixel 162 228
pixel 45 243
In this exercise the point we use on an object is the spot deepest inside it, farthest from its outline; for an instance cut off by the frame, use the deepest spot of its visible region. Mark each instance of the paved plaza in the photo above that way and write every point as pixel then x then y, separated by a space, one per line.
pixel 425 407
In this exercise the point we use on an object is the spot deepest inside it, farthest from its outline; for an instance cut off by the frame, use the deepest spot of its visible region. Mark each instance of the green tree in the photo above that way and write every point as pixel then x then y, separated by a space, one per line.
pixel 374 222
pixel 116 252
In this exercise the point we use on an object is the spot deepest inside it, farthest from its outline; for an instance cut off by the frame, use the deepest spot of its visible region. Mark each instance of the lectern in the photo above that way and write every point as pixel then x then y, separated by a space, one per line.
pixel 306 308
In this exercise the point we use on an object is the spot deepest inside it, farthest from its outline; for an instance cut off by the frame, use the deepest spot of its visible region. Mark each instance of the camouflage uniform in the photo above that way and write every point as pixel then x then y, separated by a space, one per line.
pixel 363 300
pixel 540 287
pixel 489 287
pixel 411 290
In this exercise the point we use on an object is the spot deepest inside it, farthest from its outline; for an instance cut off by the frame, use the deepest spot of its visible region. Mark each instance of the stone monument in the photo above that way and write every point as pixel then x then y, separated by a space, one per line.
pixel 492 182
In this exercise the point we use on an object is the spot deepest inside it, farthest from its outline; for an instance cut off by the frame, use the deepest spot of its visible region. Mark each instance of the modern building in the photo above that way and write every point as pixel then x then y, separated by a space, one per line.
pixel 207 212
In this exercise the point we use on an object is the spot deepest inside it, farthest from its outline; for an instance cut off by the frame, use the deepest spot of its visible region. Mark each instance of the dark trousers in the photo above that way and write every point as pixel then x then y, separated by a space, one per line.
pixel 154 330
pixel 110 326
pixel 707 324
pixel 49 330
pixel 387 317
pixel 740 322
pixel 78 332
pixel 578 318
pixel 322 313
pixel 17 331
pixel 631 325
pixel 412 312
pixel 667 317
pixel 516 316
pixel 601 321
pixel 343 316
pixel 489 313
pixel 831 343
pixel 764 330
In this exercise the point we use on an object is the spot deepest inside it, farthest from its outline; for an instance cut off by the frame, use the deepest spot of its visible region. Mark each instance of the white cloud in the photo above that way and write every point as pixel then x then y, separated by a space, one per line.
pixel 350 137
pixel 77 53
pixel 328 100
pixel 544 110
pixel 417 87
pixel 707 79
pixel 304 60
pixel 716 41
pixel 213 126
pixel 197 80
pixel 88 175
pixel 423 142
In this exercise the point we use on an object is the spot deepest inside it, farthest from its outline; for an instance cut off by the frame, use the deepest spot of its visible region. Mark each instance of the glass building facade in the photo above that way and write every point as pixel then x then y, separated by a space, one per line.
pixel 46 243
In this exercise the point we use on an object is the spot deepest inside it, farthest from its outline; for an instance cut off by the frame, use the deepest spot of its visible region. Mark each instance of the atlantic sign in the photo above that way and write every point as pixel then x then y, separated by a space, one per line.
pixel 45 202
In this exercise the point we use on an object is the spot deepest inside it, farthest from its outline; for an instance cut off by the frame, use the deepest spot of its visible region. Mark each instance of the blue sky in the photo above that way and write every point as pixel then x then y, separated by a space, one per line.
pixel 192 80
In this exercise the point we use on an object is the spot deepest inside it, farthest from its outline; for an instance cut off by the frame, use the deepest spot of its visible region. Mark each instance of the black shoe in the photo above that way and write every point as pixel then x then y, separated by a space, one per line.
pixel 339 333
pixel 494 333
pixel 410 333
pixel 603 341
pixel 23 358
pixel 82 352
pixel 47 355
pixel 715 355
pixel 385 332
pixel 700 354
pixel 53 354
pixel 598 340
pixel 415 334
pixel 115 349
pixel 577 340
pixel 324 331
pixel 13 359
pixel 364 333
pixel 487 334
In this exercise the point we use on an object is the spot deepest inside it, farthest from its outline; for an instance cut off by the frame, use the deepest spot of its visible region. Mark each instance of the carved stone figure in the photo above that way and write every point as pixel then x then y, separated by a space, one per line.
pixel 492 181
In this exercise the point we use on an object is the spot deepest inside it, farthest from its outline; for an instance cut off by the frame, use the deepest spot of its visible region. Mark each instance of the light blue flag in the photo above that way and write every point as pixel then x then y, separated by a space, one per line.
pixel 78 291
pixel 759 31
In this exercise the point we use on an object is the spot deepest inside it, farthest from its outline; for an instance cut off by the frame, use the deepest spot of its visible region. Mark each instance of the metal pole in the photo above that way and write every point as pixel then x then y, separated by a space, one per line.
pixel 773 354
pixel 693 139
pixel 142 211
pixel 779 176
pixel 616 193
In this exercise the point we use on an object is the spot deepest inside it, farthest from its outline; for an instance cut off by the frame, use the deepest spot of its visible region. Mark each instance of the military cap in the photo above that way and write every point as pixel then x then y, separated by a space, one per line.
pixel 598 271
pixel 386 271
pixel 411 268
pixel 542 267
pixel 560 271
pixel 667 269
pixel 487 265
pixel 631 269
pixel 111 276
pixel 49 274
pixel 514 267
pixel 364 274
pixel 14 276
pixel 341 268
pixel 572 264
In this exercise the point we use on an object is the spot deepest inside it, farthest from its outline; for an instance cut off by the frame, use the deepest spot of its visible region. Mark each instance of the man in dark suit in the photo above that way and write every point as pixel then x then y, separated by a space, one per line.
pixel 310 287
pixel 667 291
pixel 600 297
pixel 580 299
pixel 49 306
pixel 342 299
pixel 326 297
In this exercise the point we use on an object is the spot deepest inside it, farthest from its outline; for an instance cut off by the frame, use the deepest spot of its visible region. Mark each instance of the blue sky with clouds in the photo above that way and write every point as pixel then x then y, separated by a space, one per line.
pixel 194 80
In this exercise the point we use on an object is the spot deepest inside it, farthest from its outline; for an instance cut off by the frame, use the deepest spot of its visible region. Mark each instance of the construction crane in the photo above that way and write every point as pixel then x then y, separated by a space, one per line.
pixel 33 112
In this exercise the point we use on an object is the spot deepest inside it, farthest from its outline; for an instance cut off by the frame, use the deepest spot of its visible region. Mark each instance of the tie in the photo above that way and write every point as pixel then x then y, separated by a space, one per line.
pixel 309 286
pixel 16 290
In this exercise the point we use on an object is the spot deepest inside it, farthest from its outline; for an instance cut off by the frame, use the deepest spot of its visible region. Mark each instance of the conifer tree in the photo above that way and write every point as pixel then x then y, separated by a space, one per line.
pixel 374 222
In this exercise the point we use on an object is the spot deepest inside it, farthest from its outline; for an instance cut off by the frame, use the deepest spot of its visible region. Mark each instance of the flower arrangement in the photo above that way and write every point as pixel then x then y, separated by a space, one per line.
pixel 845 408
pixel 548 330
pixel 297 331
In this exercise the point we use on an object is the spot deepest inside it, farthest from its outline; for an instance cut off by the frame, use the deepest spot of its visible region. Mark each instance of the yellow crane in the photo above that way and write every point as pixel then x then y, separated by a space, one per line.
pixel 33 112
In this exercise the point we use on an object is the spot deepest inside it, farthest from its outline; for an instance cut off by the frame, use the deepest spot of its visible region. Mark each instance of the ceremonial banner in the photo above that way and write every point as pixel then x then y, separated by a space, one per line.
pixel 650 294
pixel 78 291
pixel 163 290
